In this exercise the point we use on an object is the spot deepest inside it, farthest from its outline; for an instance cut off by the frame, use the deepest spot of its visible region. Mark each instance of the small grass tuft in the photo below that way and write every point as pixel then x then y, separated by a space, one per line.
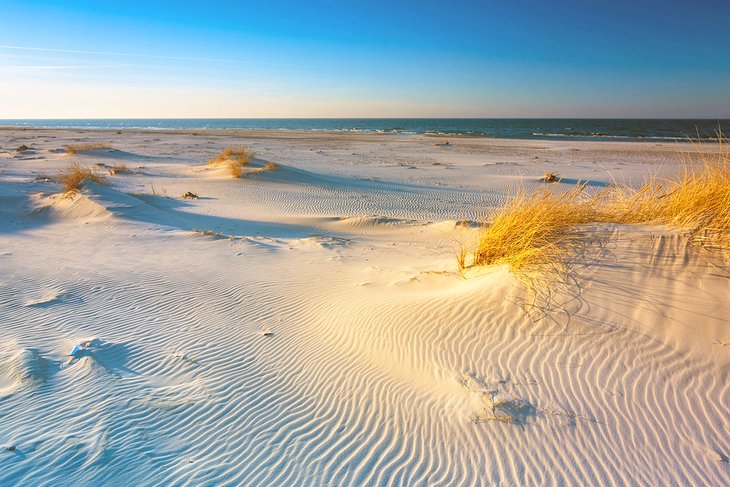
pixel 190 196
pixel 271 166
pixel 120 168
pixel 550 177
pixel 234 158
pixel 73 177
pixel 75 149
pixel 210 233
pixel 22 148
pixel 162 193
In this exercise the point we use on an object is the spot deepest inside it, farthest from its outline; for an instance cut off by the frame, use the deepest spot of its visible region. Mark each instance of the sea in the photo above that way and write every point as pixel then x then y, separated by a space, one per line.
pixel 503 128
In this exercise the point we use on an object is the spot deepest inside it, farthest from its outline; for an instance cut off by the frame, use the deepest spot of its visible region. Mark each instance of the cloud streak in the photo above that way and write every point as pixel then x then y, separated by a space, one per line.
pixel 123 54
pixel 52 67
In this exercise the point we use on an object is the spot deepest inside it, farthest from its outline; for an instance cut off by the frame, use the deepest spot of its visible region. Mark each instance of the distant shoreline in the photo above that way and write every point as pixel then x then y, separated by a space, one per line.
pixel 342 135
pixel 302 133
pixel 612 130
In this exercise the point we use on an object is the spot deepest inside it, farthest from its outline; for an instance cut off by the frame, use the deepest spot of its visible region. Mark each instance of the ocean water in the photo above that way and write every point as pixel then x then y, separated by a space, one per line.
pixel 510 128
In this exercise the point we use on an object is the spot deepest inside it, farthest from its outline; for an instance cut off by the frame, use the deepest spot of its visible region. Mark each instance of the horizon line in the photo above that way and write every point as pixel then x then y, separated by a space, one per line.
pixel 368 118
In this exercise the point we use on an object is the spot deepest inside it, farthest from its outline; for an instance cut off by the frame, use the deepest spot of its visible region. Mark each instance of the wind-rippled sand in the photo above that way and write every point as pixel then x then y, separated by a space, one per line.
pixel 309 326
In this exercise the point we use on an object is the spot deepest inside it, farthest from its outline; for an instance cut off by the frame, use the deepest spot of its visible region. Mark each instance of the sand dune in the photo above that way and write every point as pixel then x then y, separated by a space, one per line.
pixel 309 326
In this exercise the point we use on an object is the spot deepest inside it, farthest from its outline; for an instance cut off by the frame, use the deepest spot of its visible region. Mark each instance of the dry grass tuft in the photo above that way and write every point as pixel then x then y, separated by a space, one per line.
pixel 533 230
pixel 22 148
pixel 120 168
pixel 271 166
pixel 541 229
pixel 235 158
pixel 74 149
pixel 550 177
pixel 73 177
pixel 697 200
pixel 161 193
pixel 210 233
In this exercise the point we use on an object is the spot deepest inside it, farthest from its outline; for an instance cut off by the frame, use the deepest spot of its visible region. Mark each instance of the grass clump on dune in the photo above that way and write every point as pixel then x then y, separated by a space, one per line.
pixel 541 229
pixel 74 149
pixel 121 168
pixel 234 158
pixel 697 200
pixel 73 177
pixel 532 230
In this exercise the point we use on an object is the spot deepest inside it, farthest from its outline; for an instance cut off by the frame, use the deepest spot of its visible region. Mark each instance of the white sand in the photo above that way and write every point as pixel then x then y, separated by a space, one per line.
pixel 324 335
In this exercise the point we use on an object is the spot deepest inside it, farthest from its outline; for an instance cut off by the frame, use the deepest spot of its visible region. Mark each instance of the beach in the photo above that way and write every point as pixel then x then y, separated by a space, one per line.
pixel 308 323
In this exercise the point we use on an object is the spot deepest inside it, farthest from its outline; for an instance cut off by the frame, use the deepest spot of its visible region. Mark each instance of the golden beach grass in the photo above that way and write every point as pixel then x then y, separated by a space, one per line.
pixel 235 158
pixel 73 177
pixel 540 229
pixel 533 229
pixel 120 168
pixel 697 200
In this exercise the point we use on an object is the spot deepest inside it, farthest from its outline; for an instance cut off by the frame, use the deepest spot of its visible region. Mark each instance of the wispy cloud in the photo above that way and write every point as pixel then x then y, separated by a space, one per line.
pixel 122 54
pixel 53 67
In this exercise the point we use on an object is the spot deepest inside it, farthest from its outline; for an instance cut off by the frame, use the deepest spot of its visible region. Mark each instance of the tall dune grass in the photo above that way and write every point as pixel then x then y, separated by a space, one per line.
pixel 542 228
pixel 73 177
pixel 697 200
pixel 234 158
pixel 533 229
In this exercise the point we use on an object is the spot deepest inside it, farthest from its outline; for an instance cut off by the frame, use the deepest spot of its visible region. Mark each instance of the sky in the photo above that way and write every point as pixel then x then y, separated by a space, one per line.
pixel 315 58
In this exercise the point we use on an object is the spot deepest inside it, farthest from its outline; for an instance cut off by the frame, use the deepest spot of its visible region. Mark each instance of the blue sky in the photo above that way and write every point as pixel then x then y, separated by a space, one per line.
pixel 365 59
